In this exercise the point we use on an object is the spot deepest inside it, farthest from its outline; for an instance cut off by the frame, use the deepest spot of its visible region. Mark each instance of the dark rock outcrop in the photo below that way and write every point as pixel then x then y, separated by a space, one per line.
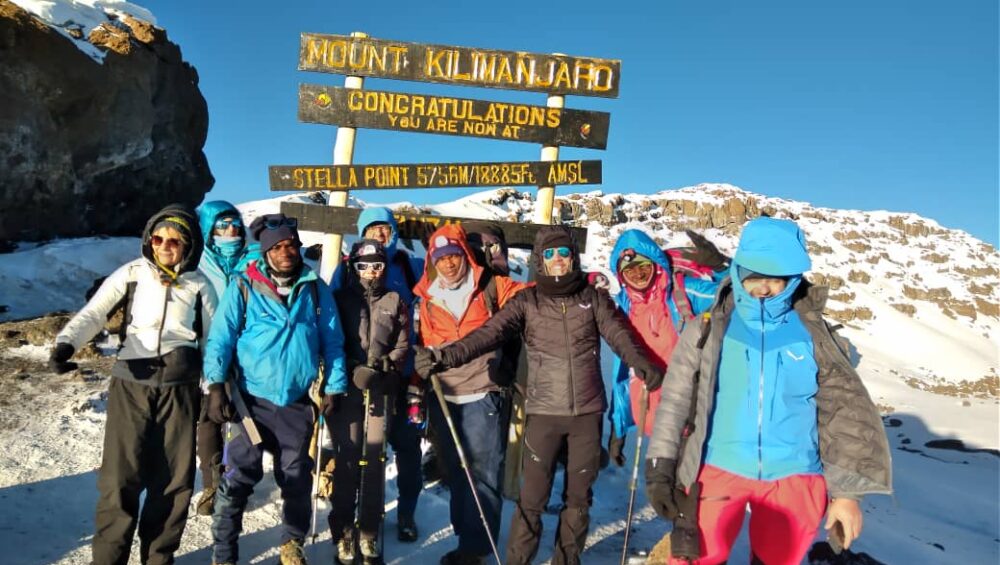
pixel 90 147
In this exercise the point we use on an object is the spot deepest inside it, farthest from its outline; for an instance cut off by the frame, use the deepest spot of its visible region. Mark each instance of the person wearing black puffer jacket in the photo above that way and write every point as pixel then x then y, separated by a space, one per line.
pixel 562 320
pixel 376 343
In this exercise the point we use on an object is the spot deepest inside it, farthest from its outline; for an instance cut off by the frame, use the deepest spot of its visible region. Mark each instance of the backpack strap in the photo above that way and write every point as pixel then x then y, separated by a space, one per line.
pixel 488 288
pixel 706 330
pixel 197 316
pixel 126 306
pixel 681 300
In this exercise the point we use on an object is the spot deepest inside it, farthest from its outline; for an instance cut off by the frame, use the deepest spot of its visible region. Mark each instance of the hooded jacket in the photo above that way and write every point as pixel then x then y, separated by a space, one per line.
pixel 216 266
pixel 562 335
pixel 700 294
pixel 277 346
pixel 163 321
pixel 439 327
pixel 774 393
pixel 376 324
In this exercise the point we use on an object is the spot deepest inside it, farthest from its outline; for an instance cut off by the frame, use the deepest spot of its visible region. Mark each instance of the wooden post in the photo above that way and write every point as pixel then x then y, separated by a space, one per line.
pixel 343 154
pixel 547 194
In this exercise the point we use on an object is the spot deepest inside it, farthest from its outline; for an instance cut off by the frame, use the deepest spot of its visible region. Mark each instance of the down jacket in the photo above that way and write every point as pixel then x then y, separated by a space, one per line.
pixel 562 336
pixel 376 325
pixel 162 320
pixel 853 447
pixel 277 347
pixel 438 327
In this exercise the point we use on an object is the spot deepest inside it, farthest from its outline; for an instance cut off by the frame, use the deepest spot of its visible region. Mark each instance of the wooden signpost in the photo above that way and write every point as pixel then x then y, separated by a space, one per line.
pixel 465 66
pixel 433 175
pixel 452 116
pixel 411 225
pixel 351 107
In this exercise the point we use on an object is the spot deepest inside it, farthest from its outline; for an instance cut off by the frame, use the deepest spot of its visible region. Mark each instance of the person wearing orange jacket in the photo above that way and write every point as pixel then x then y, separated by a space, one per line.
pixel 452 305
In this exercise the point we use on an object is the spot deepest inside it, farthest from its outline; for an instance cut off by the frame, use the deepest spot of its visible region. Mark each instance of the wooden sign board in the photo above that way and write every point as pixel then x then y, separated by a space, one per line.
pixel 433 175
pixel 335 219
pixel 422 113
pixel 467 66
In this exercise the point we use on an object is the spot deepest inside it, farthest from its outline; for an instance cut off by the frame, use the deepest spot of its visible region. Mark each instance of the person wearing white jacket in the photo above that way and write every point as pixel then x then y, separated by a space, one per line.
pixel 154 396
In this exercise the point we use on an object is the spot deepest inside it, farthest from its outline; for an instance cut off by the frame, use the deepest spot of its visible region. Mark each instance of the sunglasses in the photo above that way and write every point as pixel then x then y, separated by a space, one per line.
pixel 377 266
pixel 563 252
pixel 226 223
pixel 169 242
pixel 275 223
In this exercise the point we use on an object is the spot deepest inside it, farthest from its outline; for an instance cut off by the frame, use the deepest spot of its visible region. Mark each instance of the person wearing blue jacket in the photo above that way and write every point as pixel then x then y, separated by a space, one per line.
pixel 226 254
pixel 403 272
pixel 659 301
pixel 275 324
pixel 763 408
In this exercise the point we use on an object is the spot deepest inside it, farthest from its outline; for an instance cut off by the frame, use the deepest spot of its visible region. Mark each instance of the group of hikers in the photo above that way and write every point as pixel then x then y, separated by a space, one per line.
pixel 231 346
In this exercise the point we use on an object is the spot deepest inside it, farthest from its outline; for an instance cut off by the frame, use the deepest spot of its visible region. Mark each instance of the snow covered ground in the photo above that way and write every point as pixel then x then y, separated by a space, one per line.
pixel 945 509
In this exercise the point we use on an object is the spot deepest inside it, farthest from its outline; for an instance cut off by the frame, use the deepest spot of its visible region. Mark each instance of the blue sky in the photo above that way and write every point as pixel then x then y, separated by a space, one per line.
pixel 891 104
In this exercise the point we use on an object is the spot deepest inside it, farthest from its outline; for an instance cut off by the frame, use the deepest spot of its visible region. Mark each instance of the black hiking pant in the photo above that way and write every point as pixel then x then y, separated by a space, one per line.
pixel 148 446
pixel 354 502
pixel 209 448
pixel 544 438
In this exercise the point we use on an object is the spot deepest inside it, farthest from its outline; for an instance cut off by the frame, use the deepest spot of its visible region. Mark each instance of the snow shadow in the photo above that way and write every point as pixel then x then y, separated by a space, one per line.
pixel 43 521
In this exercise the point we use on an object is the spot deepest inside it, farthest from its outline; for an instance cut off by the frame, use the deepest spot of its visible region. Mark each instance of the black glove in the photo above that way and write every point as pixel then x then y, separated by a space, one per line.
pixel 59 358
pixel 330 405
pixel 427 361
pixel 660 486
pixel 616 446
pixel 652 377
pixel 367 378
pixel 685 540
pixel 705 252
pixel 220 409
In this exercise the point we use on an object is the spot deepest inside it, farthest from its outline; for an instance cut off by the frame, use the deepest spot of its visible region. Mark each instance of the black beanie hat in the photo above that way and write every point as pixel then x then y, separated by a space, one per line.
pixel 283 228
pixel 367 250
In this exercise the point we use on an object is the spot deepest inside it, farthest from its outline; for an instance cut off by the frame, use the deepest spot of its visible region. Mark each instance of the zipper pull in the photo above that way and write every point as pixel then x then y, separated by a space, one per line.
pixel 563 307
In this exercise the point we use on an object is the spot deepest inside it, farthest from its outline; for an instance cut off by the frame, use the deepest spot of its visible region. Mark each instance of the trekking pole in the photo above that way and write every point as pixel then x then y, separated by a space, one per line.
pixel 319 471
pixel 385 436
pixel 436 383
pixel 363 463
pixel 633 484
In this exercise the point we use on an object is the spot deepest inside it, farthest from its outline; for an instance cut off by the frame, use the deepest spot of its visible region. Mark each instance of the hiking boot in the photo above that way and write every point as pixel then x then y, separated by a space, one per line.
pixel 292 553
pixel 345 548
pixel 406 529
pixel 369 548
pixel 206 502
pixel 456 557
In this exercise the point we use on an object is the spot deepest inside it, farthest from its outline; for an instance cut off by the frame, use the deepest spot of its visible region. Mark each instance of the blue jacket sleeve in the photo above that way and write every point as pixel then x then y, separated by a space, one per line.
pixel 220 345
pixel 331 342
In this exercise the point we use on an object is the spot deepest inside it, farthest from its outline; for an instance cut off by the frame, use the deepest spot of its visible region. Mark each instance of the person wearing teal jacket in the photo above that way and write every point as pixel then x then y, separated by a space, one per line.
pixel 276 323
pixel 227 253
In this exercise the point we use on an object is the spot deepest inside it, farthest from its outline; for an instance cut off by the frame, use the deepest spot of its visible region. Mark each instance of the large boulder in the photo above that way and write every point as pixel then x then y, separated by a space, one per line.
pixel 100 126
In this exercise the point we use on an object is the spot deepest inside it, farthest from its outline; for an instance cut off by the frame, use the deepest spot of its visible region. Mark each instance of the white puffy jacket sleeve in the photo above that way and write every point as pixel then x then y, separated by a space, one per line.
pixel 92 317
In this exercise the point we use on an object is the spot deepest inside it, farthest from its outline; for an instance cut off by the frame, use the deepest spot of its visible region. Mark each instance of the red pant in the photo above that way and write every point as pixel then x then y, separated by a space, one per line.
pixel 784 515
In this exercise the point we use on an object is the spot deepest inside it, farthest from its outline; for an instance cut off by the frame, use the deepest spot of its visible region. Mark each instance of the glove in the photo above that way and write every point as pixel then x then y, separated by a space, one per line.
pixel 652 377
pixel 427 361
pixel 685 540
pixel 367 378
pixel 616 446
pixel 59 358
pixel 660 486
pixel 220 409
pixel 330 405
pixel 705 252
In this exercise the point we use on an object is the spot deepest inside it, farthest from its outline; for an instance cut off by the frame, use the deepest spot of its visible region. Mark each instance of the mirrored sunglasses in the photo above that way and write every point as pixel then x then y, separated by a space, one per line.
pixel 563 252
pixel 226 223
pixel 169 242
pixel 275 223
pixel 376 266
